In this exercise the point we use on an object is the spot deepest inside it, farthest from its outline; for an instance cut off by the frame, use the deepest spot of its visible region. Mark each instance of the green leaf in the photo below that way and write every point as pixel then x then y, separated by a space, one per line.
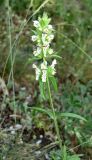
pixel 71 115
pixel 30 60
pixel 74 157
pixel 42 90
pixel 64 153
pixel 55 56
pixel 58 115
pixel 45 111
pixel 54 83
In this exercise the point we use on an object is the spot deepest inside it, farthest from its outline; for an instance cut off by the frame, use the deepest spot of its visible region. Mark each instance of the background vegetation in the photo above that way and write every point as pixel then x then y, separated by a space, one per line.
pixel 72 21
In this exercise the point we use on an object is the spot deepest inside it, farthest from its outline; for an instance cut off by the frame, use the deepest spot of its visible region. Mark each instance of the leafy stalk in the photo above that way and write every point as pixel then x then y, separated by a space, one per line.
pixel 55 117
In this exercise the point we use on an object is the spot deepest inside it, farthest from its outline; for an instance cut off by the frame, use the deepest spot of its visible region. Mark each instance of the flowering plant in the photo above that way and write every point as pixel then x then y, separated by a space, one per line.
pixel 43 35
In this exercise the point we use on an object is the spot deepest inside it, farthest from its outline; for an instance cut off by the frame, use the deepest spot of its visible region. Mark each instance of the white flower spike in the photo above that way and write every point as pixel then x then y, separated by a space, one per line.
pixel 43 37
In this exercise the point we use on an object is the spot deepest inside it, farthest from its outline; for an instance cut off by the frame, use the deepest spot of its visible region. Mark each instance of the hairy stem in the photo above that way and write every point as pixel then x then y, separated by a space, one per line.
pixel 55 118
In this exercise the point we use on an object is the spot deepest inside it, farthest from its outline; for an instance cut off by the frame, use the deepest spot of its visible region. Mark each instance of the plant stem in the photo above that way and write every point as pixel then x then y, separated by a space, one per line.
pixel 11 53
pixel 55 118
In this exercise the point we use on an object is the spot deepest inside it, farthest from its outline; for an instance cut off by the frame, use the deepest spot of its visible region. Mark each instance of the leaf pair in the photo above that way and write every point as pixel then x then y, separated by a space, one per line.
pixel 58 114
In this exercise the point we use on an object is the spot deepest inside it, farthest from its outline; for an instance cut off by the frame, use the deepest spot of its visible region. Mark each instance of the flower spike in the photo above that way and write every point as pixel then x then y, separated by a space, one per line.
pixel 43 37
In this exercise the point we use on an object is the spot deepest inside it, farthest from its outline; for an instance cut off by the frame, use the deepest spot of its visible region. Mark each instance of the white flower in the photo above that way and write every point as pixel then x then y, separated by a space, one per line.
pixel 34 66
pixel 34 38
pixel 51 37
pixel 45 49
pixel 37 52
pixel 44 73
pixel 44 38
pixel 34 53
pixel 54 71
pixel 36 23
pixel 54 62
pixel 37 72
pixel 46 30
pixel 50 51
pixel 50 27
pixel 44 65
